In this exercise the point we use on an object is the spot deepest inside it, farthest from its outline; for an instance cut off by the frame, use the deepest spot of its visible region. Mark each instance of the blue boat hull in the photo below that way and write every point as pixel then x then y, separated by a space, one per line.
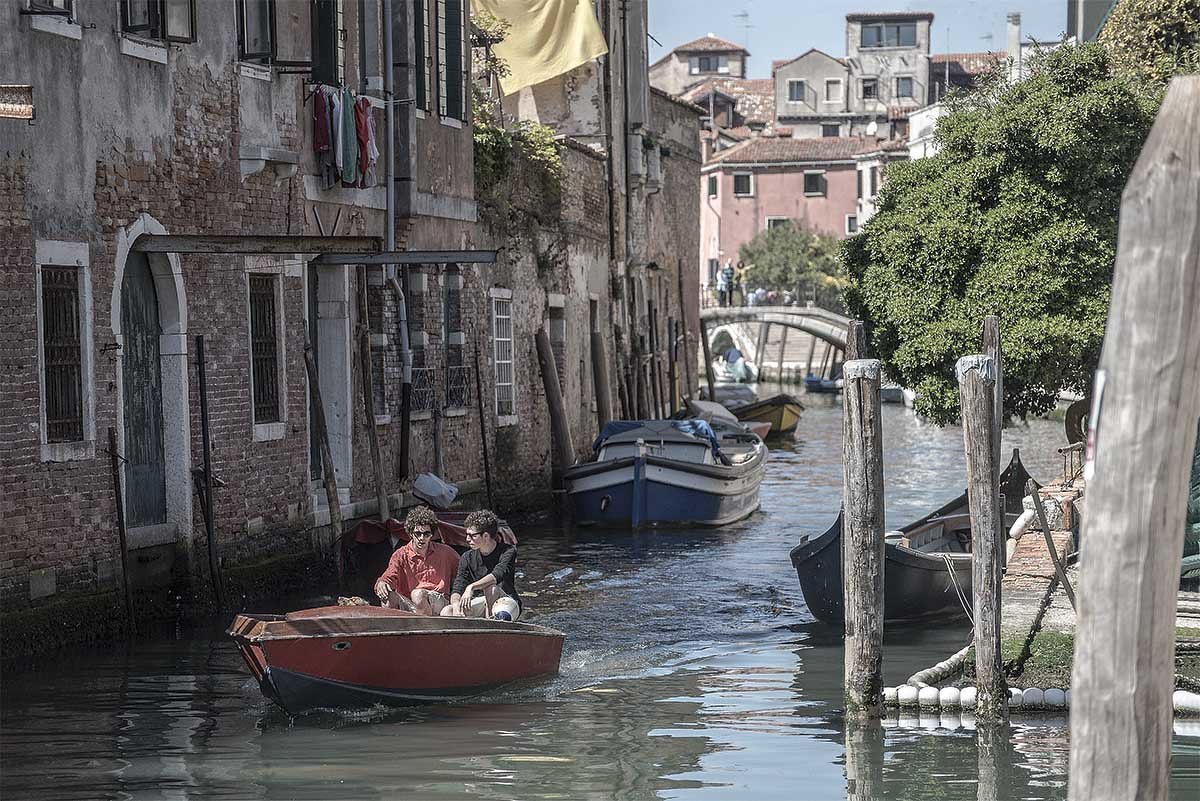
pixel 645 491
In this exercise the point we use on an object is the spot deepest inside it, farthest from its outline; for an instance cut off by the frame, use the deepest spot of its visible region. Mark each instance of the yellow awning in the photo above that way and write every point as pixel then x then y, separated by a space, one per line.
pixel 546 38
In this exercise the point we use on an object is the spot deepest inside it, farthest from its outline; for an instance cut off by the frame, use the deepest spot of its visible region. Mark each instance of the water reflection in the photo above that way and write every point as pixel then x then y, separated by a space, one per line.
pixel 692 670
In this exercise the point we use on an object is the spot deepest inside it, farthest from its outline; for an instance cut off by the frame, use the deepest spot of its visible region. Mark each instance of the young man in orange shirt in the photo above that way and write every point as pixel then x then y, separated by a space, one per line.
pixel 421 572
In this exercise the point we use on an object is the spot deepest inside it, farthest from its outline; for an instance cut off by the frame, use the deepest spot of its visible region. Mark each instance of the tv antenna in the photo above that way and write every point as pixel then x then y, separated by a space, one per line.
pixel 743 17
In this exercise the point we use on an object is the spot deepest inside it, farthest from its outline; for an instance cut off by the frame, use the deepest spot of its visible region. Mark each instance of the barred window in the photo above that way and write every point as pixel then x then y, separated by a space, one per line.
pixel 502 338
pixel 264 348
pixel 63 354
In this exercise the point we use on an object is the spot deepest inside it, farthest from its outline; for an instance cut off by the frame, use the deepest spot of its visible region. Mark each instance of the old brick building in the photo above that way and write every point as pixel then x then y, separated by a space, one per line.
pixel 170 125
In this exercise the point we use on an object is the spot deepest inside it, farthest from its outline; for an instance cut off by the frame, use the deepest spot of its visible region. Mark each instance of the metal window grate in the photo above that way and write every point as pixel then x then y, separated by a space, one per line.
pixel 264 348
pixel 458 392
pixel 503 352
pixel 423 394
pixel 63 354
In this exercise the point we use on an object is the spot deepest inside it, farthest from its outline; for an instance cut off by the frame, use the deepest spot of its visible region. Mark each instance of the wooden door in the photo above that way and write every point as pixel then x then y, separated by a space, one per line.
pixel 145 468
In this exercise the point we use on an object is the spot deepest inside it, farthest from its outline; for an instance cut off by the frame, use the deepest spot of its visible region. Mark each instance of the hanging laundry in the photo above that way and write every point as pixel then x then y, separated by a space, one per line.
pixel 367 154
pixel 349 140
pixel 320 122
pixel 323 120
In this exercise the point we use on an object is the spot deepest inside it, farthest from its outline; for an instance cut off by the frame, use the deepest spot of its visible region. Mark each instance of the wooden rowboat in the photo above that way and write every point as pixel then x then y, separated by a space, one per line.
pixel 781 411
pixel 927 564
pixel 355 656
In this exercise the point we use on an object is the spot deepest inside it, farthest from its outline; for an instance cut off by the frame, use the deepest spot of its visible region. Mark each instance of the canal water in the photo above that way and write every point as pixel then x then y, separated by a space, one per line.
pixel 692 670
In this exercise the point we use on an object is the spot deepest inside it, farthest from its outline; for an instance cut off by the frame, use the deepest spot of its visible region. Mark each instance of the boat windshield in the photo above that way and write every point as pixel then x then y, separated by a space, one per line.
pixel 694 452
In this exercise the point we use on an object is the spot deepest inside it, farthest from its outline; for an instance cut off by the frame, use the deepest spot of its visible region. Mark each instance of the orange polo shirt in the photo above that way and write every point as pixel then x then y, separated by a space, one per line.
pixel 407 570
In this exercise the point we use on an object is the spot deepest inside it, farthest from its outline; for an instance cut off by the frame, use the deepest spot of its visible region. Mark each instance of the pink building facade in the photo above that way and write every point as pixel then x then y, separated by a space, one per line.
pixel 769 181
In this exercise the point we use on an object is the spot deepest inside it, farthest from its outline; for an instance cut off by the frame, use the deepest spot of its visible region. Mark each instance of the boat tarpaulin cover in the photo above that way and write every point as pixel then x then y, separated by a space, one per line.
pixel 658 429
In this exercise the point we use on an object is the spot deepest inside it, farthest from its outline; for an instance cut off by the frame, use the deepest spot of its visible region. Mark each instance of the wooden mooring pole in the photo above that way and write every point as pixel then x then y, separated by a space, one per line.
pixel 672 373
pixel 683 333
pixel 208 509
pixel 483 436
pixel 561 449
pixel 600 382
pixel 368 390
pixel 862 538
pixel 1145 405
pixel 977 385
pixel 708 367
pixel 328 473
pixel 115 462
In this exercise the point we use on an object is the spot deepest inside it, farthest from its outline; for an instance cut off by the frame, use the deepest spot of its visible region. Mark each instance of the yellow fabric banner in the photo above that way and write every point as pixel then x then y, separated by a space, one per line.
pixel 546 38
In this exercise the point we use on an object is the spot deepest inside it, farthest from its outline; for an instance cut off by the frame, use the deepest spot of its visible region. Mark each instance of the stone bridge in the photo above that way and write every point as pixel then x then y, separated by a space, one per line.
pixel 759 330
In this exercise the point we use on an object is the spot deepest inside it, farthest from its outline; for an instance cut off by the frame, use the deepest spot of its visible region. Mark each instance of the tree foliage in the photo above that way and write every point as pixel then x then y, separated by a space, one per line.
pixel 789 257
pixel 1152 40
pixel 1015 216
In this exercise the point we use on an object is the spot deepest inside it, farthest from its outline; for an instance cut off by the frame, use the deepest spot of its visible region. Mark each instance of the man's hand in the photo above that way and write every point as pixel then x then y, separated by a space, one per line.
pixel 383 590
pixel 464 603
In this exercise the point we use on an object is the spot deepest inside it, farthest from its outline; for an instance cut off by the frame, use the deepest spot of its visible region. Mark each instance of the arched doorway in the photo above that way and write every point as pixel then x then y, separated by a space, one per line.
pixel 145 465
pixel 149 321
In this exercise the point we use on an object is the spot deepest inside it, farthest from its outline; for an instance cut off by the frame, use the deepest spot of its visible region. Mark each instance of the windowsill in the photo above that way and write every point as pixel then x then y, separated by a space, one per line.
pixel 421 415
pixel 256 71
pixel 145 49
pixel 383 419
pixel 149 536
pixel 506 420
pixel 450 122
pixel 743 195
pixel 59 26
pixel 455 411
pixel 68 451
pixel 421 114
pixel 379 340
pixel 814 194
pixel 266 432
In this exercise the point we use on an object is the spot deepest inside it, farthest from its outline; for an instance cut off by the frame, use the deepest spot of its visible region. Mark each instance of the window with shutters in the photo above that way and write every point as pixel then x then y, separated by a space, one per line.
pixel 814 183
pixel 264 348
pixel 64 337
pixel 503 357
pixel 451 68
pixel 421 53
pixel 171 20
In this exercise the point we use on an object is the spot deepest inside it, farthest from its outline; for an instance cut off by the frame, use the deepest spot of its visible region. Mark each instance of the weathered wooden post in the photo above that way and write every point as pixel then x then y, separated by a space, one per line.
pixel 329 476
pixel 782 351
pixel 1146 402
pixel 123 541
pixel 368 390
pixel 208 510
pixel 708 368
pixel 864 760
pixel 483 437
pixel 991 347
pixel 561 449
pixel 976 384
pixel 683 331
pixel 672 373
pixel 600 379
pixel 862 538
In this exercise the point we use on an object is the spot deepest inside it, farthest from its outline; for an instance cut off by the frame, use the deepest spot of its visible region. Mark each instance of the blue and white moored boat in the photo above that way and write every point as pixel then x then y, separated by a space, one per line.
pixel 667 472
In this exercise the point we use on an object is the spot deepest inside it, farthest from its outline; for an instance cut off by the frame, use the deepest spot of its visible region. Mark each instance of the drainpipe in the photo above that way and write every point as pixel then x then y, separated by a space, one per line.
pixel 389 82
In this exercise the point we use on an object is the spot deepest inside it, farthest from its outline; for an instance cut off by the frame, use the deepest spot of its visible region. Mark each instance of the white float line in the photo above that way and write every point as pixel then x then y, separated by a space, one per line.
pixel 1186 704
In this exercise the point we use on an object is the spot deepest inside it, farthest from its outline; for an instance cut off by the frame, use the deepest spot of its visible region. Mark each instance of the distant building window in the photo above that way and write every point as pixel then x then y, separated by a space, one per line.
pixel 874 181
pixel 774 223
pixel 743 184
pixel 889 34
pixel 421 53
pixel 451 71
pixel 712 186
pixel 833 90
pixel 870 88
pixel 264 347
pixel 502 341
pixel 814 183
pixel 904 87
pixel 795 91
pixel 851 224
pixel 859 174
pixel 831 129
pixel 172 20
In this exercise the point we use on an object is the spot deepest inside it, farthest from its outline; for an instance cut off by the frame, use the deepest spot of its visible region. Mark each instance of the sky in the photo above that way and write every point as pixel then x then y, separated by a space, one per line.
pixel 786 28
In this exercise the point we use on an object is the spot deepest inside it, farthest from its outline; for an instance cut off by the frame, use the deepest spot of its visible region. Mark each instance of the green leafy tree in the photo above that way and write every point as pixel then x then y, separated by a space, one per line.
pixel 791 258
pixel 1152 40
pixel 1015 216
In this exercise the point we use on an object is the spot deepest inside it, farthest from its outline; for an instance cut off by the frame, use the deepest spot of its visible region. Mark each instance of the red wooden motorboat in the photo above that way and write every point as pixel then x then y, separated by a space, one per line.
pixel 339 656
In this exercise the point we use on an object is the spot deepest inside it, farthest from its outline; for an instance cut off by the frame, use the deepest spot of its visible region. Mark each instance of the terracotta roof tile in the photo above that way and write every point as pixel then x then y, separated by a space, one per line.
pixel 970 63
pixel 710 44
pixel 782 150
pixel 754 98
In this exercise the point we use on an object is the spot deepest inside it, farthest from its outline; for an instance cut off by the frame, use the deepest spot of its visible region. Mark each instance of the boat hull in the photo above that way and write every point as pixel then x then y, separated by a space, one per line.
pixel 648 491
pixel 781 411
pixel 384 656
pixel 916 585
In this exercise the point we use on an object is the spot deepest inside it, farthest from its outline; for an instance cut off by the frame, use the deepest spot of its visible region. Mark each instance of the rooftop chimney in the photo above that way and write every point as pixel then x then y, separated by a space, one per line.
pixel 1014 46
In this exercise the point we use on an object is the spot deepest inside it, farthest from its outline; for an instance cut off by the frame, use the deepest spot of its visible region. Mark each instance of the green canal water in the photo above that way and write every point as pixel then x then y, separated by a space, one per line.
pixel 692 670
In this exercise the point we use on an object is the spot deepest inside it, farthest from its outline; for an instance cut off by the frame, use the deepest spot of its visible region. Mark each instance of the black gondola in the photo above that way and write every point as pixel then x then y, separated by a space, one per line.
pixel 927 564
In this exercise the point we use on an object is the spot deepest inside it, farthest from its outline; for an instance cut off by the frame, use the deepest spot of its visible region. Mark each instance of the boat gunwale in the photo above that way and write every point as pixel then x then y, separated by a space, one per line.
pixel 709 470
pixel 269 631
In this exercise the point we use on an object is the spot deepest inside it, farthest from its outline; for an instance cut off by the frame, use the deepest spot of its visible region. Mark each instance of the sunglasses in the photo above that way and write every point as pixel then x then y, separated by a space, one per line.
pixel 422 534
